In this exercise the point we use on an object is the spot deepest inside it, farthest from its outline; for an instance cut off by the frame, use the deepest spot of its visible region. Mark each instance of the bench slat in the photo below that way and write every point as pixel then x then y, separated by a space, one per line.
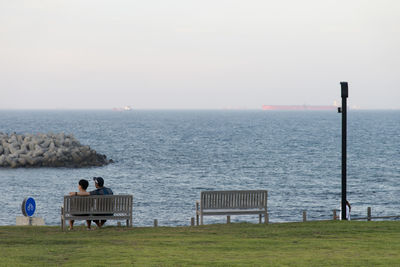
pixel 232 212
pixel 232 199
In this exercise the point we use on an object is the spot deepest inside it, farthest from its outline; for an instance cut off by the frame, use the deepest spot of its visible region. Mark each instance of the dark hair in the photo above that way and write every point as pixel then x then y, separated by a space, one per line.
pixel 84 184
pixel 99 181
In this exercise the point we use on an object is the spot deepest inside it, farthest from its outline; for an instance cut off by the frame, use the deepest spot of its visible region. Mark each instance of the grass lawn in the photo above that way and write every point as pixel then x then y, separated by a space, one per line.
pixel 286 244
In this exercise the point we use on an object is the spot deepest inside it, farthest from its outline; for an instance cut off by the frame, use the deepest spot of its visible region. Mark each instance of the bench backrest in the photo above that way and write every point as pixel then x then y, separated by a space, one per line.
pixel 98 204
pixel 238 199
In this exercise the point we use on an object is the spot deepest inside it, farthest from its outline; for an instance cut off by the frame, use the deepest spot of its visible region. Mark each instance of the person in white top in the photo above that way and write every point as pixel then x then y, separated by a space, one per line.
pixel 348 210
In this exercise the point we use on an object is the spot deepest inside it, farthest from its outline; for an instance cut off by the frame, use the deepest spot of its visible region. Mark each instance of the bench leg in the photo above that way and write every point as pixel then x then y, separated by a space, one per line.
pixel 201 219
pixel 130 220
pixel 259 218
pixel 197 213
pixel 62 219
pixel 266 218
pixel 228 219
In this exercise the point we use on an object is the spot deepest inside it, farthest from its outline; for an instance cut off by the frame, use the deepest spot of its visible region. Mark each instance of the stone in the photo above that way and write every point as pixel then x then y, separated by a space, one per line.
pixel 12 149
pixel 14 164
pixel 24 146
pixel 22 161
pixel 23 220
pixel 75 157
pixel 45 144
pixel 48 150
pixel 38 152
pixel 31 161
pixel 6 150
pixel 13 139
pixel 31 146
pixel 22 151
pixel 52 146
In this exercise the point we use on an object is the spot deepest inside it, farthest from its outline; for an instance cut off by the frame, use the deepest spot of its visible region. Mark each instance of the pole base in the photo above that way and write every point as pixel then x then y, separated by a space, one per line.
pixel 23 220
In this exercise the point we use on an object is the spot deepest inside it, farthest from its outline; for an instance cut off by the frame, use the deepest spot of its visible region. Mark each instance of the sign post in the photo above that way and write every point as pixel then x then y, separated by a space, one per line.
pixel 343 110
pixel 28 208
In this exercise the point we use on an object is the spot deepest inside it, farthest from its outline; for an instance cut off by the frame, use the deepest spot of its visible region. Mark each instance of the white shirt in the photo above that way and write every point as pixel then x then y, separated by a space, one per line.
pixel 347 213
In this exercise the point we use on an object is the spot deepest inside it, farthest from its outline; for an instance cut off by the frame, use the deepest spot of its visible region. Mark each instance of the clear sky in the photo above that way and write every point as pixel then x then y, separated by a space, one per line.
pixel 197 54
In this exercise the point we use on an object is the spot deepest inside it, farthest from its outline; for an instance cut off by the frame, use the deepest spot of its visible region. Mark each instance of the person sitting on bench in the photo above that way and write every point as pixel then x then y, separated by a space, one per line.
pixel 82 186
pixel 100 190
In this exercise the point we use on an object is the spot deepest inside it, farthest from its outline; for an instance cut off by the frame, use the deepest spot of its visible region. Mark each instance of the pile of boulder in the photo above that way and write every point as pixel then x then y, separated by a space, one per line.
pixel 47 150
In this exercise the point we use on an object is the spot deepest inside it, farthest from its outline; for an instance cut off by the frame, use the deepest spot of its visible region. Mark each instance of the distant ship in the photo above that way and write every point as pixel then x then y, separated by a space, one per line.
pixel 297 107
pixel 126 108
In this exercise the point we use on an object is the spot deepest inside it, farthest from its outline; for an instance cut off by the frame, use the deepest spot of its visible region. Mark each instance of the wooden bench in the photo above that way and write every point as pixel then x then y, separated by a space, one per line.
pixel 97 207
pixel 239 202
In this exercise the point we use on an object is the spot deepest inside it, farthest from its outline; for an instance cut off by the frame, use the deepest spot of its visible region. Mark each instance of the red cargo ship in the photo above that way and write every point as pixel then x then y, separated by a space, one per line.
pixel 297 107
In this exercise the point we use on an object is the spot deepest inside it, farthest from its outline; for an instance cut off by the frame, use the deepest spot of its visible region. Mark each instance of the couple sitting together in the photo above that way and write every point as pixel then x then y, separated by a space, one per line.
pixel 100 190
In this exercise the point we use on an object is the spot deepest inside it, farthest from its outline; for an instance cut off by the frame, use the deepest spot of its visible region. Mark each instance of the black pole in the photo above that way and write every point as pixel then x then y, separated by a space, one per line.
pixel 345 94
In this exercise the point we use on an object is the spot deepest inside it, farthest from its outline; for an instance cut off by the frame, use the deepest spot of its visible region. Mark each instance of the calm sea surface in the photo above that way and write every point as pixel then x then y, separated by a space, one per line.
pixel 166 158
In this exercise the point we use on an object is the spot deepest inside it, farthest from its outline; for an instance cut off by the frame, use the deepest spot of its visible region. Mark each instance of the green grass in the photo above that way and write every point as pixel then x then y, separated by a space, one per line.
pixel 287 244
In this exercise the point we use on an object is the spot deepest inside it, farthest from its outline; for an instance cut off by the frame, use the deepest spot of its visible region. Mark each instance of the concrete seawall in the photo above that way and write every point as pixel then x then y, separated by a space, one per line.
pixel 47 150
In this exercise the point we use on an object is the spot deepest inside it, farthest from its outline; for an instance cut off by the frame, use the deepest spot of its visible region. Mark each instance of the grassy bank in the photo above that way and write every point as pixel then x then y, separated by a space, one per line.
pixel 290 244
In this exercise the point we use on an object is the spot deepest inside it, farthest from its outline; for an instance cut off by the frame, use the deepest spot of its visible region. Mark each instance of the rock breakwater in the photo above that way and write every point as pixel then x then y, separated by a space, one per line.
pixel 47 150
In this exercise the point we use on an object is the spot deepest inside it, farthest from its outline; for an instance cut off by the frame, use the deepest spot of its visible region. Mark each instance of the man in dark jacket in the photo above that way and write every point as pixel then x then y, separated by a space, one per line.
pixel 100 190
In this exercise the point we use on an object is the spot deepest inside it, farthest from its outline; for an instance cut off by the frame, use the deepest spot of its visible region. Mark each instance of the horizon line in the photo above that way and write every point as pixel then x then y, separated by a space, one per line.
pixel 172 109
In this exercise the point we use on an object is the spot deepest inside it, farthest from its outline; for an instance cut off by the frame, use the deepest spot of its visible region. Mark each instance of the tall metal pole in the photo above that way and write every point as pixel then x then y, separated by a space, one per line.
pixel 345 94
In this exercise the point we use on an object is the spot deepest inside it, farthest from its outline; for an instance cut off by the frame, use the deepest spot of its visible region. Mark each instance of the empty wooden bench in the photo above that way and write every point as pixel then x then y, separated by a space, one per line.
pixel 97 207
pixel 239 202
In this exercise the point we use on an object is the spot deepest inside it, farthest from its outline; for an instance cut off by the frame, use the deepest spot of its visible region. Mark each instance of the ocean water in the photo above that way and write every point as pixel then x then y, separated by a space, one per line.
pixel 166 158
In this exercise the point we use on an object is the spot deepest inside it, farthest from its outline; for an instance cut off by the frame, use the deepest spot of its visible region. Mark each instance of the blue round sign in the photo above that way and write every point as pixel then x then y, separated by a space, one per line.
pixel 28 206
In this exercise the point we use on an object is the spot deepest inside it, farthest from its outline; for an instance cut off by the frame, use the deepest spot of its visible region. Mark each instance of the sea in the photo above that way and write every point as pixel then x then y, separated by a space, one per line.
pixel 165 158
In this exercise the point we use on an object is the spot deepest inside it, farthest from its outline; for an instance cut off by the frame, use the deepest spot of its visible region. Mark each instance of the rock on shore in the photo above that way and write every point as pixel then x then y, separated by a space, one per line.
pixel 47 150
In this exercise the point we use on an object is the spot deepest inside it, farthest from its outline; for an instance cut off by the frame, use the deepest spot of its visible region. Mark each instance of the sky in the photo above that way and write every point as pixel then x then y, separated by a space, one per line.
pixel 208 54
